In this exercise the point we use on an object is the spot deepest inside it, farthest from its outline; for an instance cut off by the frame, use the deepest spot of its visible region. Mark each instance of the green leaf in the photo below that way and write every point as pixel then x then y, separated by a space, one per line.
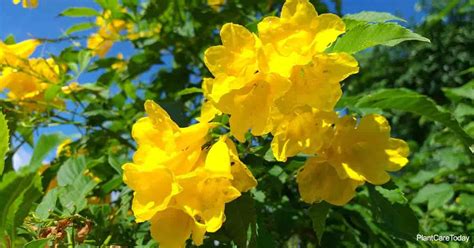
pixel 435 194
pixel 466 200
pixel 43 147
pixel 188 91
pixel 397 219
pixel 24 203
pixel 71 170
pixel 79 12
pixel 392 195
pixel 79 27
pixel 51 92
pixel 318 214
pixel 4 143
pixel 411 101
pixel 364 17
pixel 39 243
pixel 240 219
pixel 373 16
pixel 47 205
pixel 115 163
pixel 17 193
pixel 364 36
pixel 466 91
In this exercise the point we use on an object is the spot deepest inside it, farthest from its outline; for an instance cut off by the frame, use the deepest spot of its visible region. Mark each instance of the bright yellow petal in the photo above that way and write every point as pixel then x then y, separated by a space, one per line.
pixel 236 56
pixel 317 180
pixel 154 187
pixel 317 84
pixel 243 180
pixel 302 132
pixel 171 228
pixel 218 160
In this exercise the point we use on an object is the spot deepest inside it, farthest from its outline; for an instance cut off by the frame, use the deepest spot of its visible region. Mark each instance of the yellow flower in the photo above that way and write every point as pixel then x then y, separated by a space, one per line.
pixel 317 84
pixel 366 151
pixel 295 37
pixel 216 4
pixel 180 184
pixel 27 3
pixel 16 54
pixel 109 32
pixel 72 87
pixel 120 65
pixel 28 82
pixel 236 56
pixel 250 104
pixel 355 154
pixel 318 180
pixel 304 131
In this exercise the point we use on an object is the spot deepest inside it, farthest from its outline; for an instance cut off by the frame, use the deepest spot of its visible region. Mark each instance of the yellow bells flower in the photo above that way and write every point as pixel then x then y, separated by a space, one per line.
pixel 109 32
pixel 318 180
pixel 27 3
pixel 204 196
pixel 249 106
pixel 305 131
pixel 99 44
pixel 317 83
pixel 162 142
pixel 72 87
pixel 236 56
pixel 295 37
pixel 366 152
pixel 172 227
pixel 28 83
pixel 208 112
pixel 153 186
pixel 242 178
pixel 16 54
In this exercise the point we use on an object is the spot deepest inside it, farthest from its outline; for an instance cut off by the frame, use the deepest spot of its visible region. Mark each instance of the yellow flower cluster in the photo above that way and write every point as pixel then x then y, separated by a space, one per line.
pixel 282 82
pixel 27 3
pixel 109 29
pixel 108 33
pixel 26 79
pixel 181 183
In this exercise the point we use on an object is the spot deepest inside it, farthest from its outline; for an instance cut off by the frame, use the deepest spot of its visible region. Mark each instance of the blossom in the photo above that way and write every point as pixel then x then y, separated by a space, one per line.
pixel 181 183
pixel 27 3
pixel 28 81
pixel 15 54
pixel 109 32
pixel 356 153
pixel 283 68
pixel 296 36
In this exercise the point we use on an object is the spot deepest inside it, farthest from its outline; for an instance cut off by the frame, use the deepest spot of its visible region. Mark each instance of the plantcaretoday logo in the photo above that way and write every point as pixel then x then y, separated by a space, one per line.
pixel 443 238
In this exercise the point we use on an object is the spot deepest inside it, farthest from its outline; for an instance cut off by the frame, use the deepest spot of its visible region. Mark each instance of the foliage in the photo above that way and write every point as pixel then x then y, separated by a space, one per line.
pixel 76 196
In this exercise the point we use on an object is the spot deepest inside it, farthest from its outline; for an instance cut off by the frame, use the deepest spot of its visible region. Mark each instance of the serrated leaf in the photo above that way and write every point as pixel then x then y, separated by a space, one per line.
pixel 17 190
pixel 411 101
pixel 435 194
pixel 79 12
pixel 397 219
pixel 79 27
pixel 365 36
pixel 392 195
pixel 318 214
pixel 43 147
pixel 71 170
pixel 373 16
pixel 47 204
pixel 4 141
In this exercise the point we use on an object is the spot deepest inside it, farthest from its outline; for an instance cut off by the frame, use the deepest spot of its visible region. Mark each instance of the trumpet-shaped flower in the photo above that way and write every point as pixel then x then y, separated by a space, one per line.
pixel 180 183
pixel 355 154
pixel 296 36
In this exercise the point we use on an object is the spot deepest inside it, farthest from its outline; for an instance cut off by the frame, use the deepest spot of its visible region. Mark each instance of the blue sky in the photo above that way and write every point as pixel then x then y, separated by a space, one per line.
pixel 44 22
